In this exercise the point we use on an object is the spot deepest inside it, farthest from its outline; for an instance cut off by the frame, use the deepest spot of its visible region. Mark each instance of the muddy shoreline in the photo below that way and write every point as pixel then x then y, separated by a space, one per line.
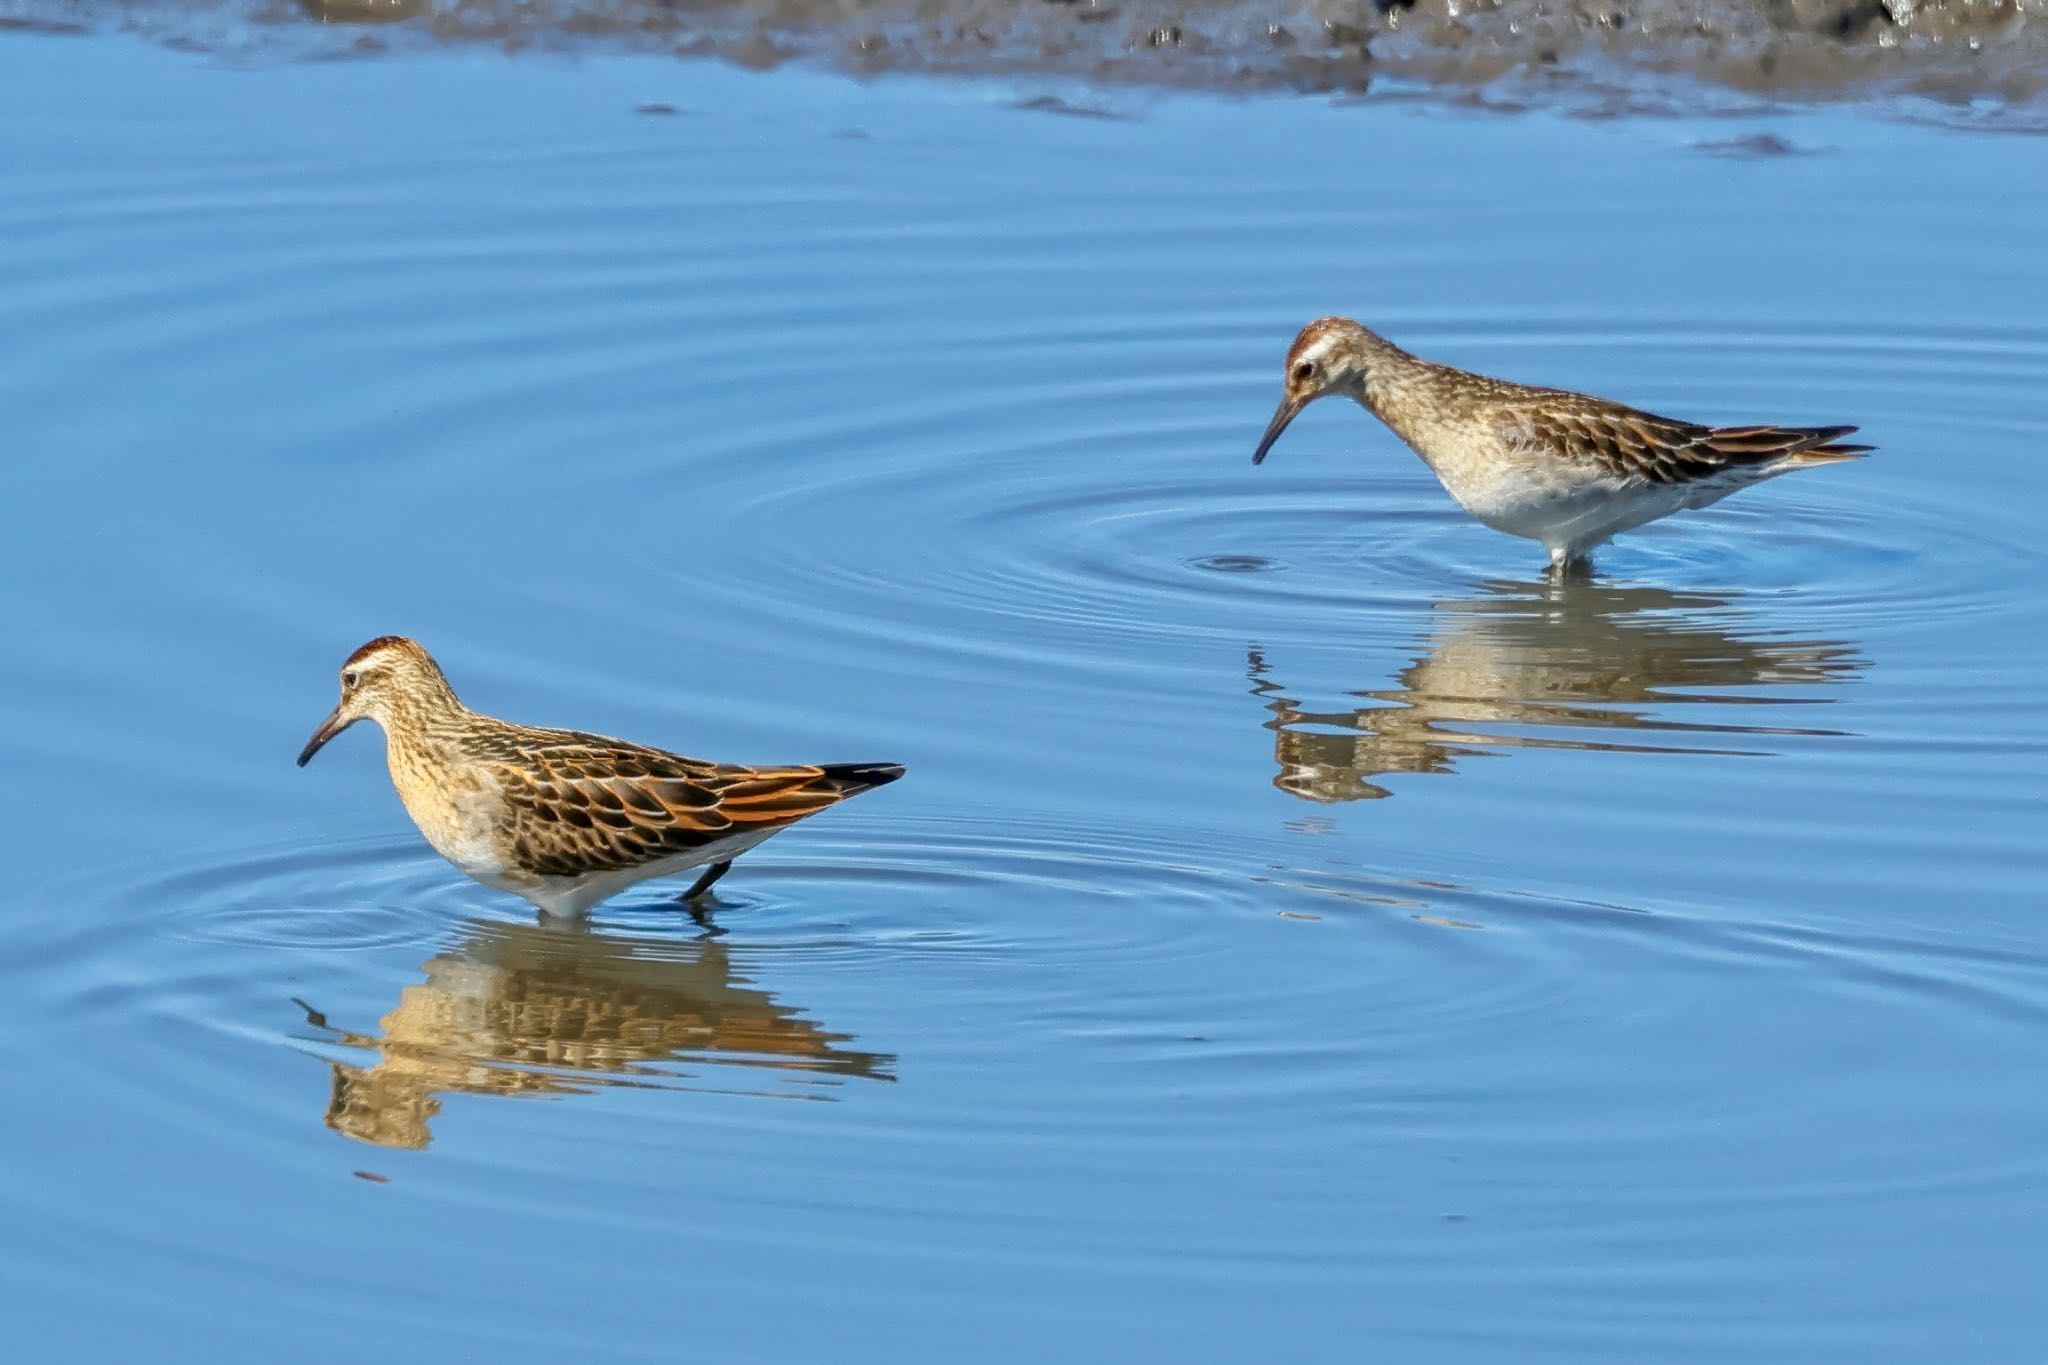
pixel 1612 55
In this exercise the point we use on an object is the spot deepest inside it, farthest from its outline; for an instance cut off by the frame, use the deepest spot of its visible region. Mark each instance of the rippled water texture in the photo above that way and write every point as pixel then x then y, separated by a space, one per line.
pixel 1304 933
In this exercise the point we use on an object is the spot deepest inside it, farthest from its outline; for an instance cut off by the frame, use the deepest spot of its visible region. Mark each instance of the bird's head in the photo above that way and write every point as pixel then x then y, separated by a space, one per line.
pixel 1329 356
pixel 382 680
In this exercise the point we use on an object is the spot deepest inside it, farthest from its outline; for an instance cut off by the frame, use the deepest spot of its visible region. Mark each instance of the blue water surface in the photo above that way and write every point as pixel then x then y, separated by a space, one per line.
pixel 1304 932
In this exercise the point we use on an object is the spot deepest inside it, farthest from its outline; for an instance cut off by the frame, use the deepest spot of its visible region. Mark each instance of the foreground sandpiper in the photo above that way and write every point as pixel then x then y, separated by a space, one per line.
pixel 564 818
pixel 1564 468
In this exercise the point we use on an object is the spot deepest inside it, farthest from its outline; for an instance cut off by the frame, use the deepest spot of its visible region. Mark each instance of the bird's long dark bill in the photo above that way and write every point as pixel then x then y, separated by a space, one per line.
pixel 1290 408
pixel 329 728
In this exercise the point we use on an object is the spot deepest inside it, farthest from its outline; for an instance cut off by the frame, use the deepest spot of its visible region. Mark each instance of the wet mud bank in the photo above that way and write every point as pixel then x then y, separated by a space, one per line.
pixel 1611 55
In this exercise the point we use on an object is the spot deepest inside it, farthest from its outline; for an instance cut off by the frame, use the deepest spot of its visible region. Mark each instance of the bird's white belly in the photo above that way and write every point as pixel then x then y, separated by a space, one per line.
pixel 572 896
pixel 1567 510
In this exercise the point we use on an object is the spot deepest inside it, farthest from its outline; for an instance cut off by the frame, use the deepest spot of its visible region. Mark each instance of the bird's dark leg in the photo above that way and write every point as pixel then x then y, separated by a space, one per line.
pixel 703 883
pixel 693 901
pixel 1566 567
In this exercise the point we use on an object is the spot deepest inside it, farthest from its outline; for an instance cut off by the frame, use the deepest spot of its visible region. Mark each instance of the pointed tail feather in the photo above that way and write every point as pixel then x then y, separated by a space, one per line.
pixel 1828 455
pixel 859 777
pixel 1828 450
pixel 1791 445
pixel 776 796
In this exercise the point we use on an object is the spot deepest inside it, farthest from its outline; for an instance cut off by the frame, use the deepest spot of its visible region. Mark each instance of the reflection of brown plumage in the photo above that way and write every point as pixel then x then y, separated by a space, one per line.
pixel 1572 656
pixel 541 1010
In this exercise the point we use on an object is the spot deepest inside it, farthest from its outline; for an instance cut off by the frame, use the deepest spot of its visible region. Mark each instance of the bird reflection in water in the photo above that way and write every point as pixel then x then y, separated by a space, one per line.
pixel 542 1010
pixel 1573 657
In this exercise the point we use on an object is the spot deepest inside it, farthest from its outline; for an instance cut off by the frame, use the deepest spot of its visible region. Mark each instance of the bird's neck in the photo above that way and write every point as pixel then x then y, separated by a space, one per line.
pixel 422 723
pixel 1394 380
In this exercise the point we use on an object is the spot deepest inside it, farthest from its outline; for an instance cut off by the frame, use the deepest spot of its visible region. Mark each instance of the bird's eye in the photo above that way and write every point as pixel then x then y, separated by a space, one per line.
pixel 349 679
pixel 1305 371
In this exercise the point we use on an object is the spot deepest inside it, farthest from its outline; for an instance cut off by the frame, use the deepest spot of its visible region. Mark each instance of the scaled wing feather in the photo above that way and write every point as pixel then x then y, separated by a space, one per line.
pixel 1629 444
pixel 580 804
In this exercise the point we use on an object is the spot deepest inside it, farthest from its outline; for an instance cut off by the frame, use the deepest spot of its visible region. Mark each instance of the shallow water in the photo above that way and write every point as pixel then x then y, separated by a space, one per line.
pixel 1302 927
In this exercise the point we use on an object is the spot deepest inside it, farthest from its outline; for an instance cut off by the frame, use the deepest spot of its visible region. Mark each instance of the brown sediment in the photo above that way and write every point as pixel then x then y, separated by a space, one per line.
pixel 1609 56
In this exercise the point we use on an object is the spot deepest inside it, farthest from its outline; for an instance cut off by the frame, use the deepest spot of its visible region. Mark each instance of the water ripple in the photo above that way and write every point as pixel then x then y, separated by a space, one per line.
pixel 725 432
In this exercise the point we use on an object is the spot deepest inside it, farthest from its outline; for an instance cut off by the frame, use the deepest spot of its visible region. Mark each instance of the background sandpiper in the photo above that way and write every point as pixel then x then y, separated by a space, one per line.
pixel 1564 468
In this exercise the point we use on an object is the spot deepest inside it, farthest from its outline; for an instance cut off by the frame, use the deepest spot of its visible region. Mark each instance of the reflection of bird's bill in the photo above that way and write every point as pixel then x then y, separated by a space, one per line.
pixel 523 1009
pixel 1571 659
pixel 1290 408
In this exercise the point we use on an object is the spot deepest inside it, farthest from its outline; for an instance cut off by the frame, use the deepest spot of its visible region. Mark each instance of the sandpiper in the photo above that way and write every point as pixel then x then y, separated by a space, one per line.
pixel 563 818
pixel 1564 468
